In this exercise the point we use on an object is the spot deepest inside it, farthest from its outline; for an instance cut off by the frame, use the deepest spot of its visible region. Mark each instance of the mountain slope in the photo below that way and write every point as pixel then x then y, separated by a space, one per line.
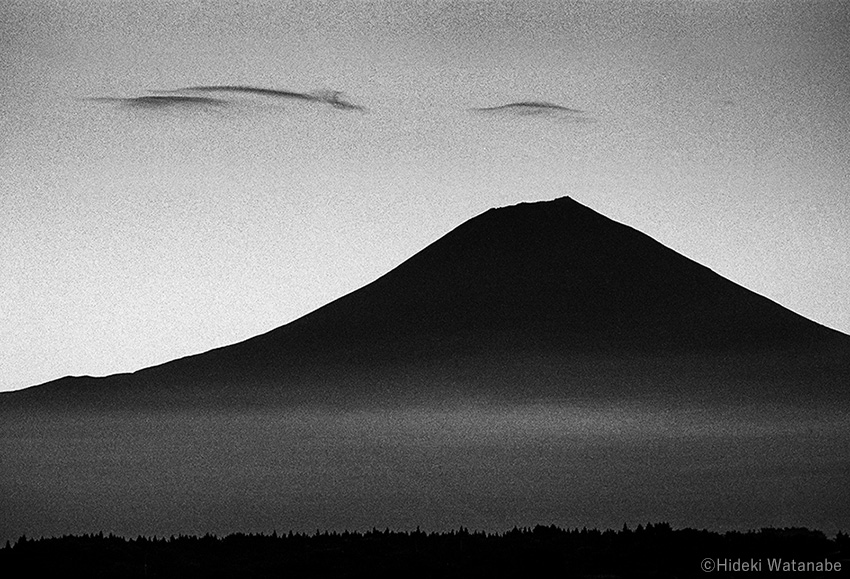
pixel 543 299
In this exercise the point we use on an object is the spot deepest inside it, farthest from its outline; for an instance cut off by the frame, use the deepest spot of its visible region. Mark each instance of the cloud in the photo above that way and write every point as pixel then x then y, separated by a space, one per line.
pixel 207 96
pixel 537 108
pixel 334 98
pixel 162 101
pixel 330 97
pixel 243 89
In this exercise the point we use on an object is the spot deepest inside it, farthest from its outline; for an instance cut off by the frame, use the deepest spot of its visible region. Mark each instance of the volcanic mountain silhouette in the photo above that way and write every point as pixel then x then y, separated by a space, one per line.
pixel 537 300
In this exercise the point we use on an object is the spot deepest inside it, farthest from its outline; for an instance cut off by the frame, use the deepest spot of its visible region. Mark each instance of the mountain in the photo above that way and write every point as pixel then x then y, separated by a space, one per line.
pixel 546 300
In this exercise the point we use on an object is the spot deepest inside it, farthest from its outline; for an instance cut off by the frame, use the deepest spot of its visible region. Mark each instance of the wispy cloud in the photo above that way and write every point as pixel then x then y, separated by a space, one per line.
pixel 240 89
pixel 333 98
pixel 537 108
pixel 203 96
pixel 160 101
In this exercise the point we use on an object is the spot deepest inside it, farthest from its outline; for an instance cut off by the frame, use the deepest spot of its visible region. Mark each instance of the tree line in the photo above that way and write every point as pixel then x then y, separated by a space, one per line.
pixel 653 550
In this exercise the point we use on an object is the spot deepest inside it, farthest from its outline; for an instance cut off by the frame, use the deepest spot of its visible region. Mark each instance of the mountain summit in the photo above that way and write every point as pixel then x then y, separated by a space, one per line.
pixel 547 299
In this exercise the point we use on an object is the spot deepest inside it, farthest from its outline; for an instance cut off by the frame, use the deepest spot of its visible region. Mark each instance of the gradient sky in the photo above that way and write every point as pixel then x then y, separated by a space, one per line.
pixel 135 230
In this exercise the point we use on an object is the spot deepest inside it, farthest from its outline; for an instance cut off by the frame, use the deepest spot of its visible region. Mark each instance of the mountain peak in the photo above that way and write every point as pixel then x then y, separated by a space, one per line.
pixel 547 220
pixel 551 281
pixel 558 275
pixel 565 206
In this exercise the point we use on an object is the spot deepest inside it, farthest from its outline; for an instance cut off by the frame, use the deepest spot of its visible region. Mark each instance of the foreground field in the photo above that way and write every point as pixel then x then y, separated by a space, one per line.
pixel 489 468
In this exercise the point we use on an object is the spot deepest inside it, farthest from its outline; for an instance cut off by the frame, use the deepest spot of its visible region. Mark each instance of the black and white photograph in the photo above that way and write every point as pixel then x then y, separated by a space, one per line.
pixel 424 288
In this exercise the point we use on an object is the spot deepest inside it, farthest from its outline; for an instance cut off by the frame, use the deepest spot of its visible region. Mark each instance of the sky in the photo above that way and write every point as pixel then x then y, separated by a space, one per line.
pixel 177 176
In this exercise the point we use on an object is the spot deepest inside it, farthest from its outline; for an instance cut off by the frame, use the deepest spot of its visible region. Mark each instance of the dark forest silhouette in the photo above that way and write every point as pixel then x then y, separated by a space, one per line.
pixel 654 550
